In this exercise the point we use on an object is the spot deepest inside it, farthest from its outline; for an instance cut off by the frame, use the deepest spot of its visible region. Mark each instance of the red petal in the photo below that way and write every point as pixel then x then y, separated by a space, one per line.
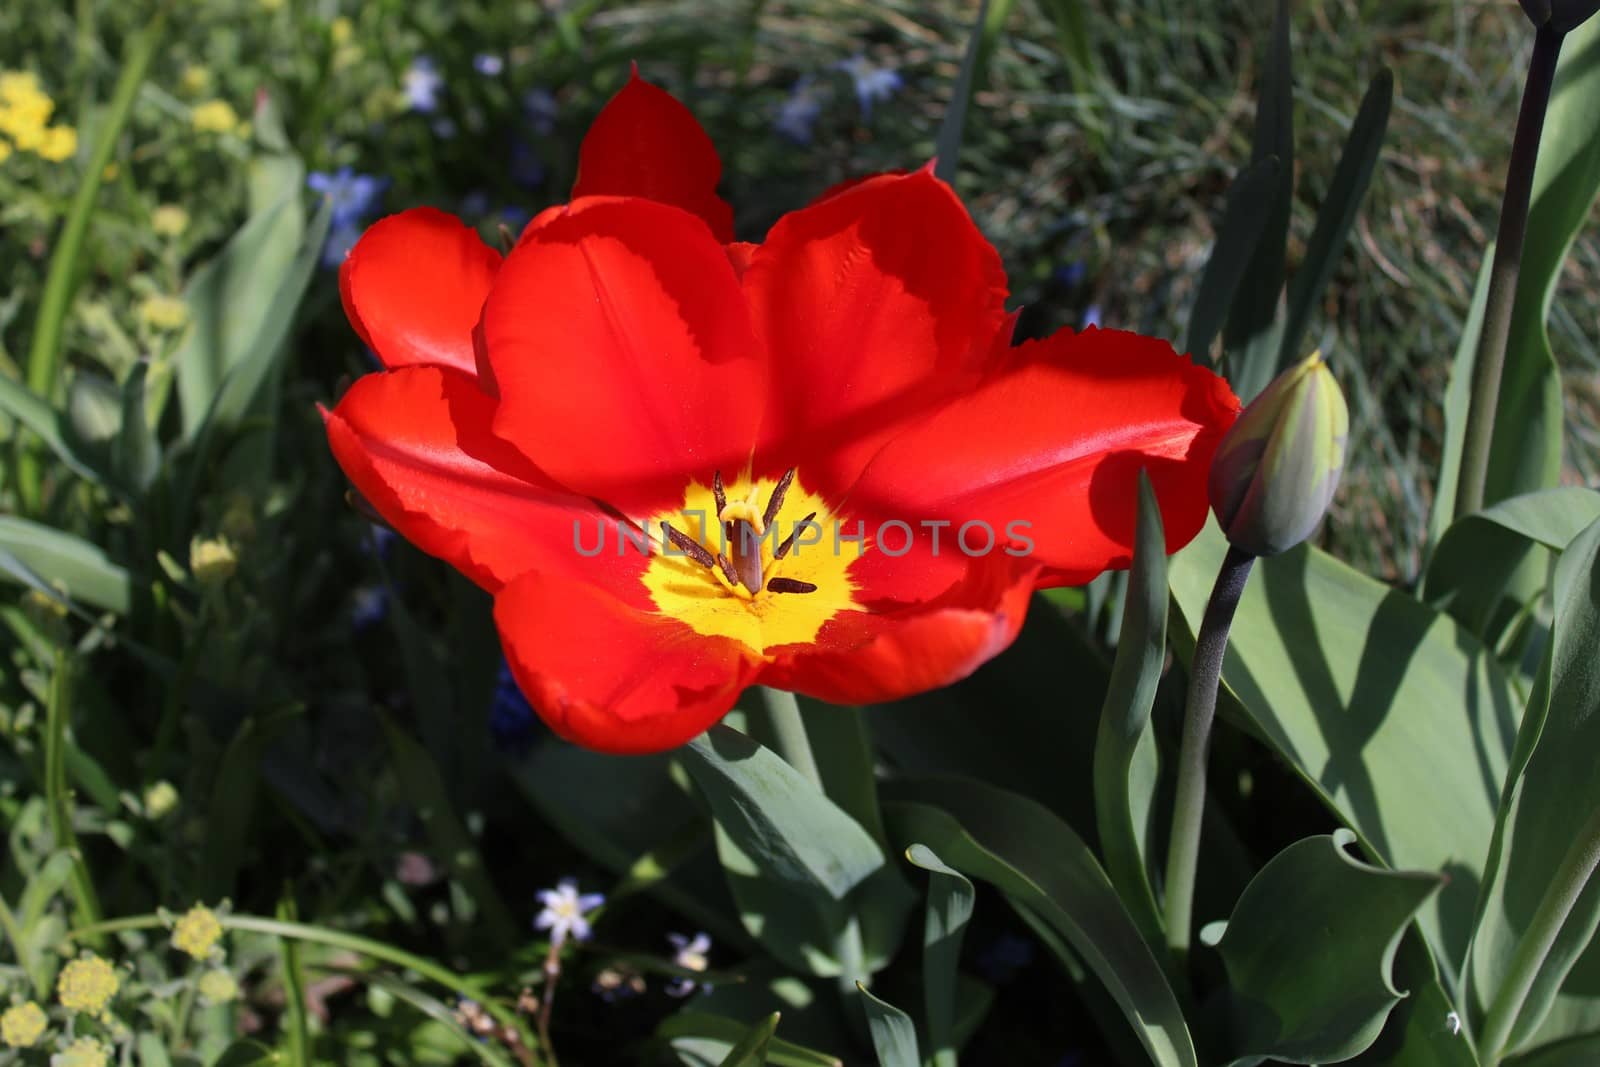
pixel 417 445
pixel 623 354
pixel 1056 440
pixel 413 287
pixel 869 658
pixel 645 143
pixel 613 677
pixel 869 302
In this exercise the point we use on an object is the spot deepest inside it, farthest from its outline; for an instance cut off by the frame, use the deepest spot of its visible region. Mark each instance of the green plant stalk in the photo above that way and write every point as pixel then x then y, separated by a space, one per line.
pixel 1560 896
pixel 58 799
pixel 296 1032
pixel 1489 365
pixel 780 710
pixel 44 352
pixel 1205 674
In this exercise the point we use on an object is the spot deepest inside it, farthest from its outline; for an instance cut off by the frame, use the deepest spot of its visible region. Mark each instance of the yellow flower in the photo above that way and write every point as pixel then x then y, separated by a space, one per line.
pixel 195 79
pixel 164 313
pixel 17 84
pixel 87 984
pixel 160 799
pixel 23 1025
pixel 25 113
pixel 58 143
pixel 197 932
pixel 340 29
pixel 169 220
pixel 217 986
pixel 112 170
pixel 215 116
pixel 84 1052
pixel 212 561
pixel 5 149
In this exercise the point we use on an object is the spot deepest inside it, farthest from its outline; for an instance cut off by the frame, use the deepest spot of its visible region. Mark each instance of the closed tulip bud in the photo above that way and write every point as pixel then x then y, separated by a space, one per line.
pixel 1563 15
pixel 1275 472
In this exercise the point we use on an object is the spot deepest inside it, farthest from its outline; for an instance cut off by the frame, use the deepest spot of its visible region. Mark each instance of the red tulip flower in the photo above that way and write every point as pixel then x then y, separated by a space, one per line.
pixel 684 465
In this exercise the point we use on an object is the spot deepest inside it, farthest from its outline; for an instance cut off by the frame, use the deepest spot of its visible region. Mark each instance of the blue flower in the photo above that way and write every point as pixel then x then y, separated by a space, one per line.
pixel 873 83
pixel 475 204
pixel 1091 317
pixel 514 219
pixel 422 83
pixel 541 109
pixel 797 114
pixel 510 715
pixel 350 196
pixel 1072 273
pixel 369 606
pixel 444 127
pixel 341 239
pixel 527 170
pixel 488 64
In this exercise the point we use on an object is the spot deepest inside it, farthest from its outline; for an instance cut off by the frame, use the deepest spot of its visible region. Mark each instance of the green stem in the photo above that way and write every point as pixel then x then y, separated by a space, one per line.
pixel 1559 898
pixel 58 799
pixel 1489 365
pixel 1205 673
pixel 180 1022
pixel 781 711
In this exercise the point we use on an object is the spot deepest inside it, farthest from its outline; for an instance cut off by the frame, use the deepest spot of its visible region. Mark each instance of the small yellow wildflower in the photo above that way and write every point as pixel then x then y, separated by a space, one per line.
pixel 165 313
pixel 217 986
pixel 160 800
pixel 197 932
pixel 87 984
pixel 25 116
pixel 84 1052
pixel 340 29
pixel 17 84
pixel 111 172
pixel 23 1025
pixel 212 561
pixel 5 149
pixel 215 116
pixel 195 79
pixel 169 220
pixel 58 143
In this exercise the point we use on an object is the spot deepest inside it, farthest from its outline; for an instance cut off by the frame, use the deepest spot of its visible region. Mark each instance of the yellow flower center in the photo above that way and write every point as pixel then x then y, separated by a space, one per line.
pixel 763 561
pixel 87 984
pixel 23 1025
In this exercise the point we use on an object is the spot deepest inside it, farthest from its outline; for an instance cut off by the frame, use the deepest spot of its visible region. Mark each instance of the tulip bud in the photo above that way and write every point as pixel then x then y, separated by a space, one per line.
pixel 1275 472
pixel 1563 15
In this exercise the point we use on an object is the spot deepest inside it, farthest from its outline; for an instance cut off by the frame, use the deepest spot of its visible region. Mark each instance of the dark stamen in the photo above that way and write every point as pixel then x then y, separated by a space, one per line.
pixel 720 498
pixel 508 240
pixel 689 546
pixel 727 569
pixel 775 501
pixel 788 542
pixel 789 585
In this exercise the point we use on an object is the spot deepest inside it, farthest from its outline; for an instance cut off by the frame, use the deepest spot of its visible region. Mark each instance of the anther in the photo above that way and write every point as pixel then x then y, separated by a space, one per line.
pixel 789 585
pixel 689 546
pixel 727 569
pixel 788 542
pixel 775 501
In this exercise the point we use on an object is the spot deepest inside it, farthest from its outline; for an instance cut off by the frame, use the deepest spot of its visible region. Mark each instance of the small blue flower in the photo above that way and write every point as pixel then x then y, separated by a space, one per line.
pixel 541 110
pixel 511 717
pixel 1071 274
pixel 565 911
pixel 370 605
pixel 799 112
pixel 515 219
pixel 1091 317
pixel 379 539
pixel 527 169
pixel 350 196
pixel 341 239
pixel 422 84
pixel 873 83
pixel 475 204
pixel 488 64
pixel 444 127
pixel 689 954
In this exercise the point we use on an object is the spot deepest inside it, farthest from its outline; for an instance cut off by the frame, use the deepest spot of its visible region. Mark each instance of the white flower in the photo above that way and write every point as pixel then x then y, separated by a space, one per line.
pixel 564 911
pixel 690 955
pixel 422 82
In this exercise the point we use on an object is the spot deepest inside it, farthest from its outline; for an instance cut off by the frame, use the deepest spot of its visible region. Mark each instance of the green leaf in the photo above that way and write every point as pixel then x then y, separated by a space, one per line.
pixel 950 900
pixel 991 16
pixel 701 1038
pixel 1582 1051
pixel 135 453
pixel 1394 714
pixel 1253 329
pixel 295 1024
pixel 1424 1029
pixel 152 1051
pixel 751 1051
pixel 1072 32
pixel 1124 751
pixel 32 411
pixel 1313 901
pixel 1457 402
pixel 1338 213
pixel 894 1035
pixel 1018 846
pixel 233 798
pixel 1476 558
pixel 43 552
pixel 1551 777
pixel 1529 426
pixel 247 1054
pixel 1244 219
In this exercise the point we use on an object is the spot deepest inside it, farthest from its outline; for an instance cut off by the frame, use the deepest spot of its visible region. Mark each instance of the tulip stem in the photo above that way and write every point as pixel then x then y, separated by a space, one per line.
pixel 1556 906
pixel 1205 672
pixel 1501 299
pixel 787 730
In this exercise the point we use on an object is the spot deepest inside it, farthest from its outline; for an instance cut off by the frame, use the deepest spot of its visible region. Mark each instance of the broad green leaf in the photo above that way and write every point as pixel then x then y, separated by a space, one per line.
pixel 1529 428
pixel 135 452
pixel 1254 327
pixel 1551 788
pixel 894 1035
pixel 1582 1051
pixel 1396 716
pixel 1124 751
pixel 1457 400
pixel 45 422
pixel 1314 901
pixel 152 1051
pixel 776 815
pixel 704 1040
pixel 950 900
pixel 247 1054
pixel 79 567
pixel 1424 1029
pixel 1477 556
pixel 751 1051
pixel 1244 218
pixel 1018 846
pixel 991 16
pixel 1338 212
